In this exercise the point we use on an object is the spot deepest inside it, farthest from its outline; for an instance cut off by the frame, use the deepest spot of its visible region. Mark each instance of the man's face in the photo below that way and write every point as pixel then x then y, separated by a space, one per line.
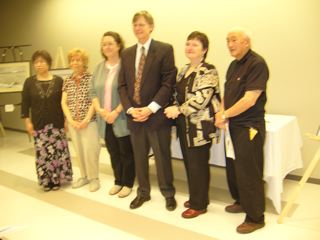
pixel 238 44
pixel 142 29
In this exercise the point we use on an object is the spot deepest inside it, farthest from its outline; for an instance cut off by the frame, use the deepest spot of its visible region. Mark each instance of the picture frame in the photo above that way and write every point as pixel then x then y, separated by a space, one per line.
pixel 62 72
pixel 13 74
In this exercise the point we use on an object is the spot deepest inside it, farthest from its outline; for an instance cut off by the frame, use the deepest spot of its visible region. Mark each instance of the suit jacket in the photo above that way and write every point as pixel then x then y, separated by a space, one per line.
pixel 157 82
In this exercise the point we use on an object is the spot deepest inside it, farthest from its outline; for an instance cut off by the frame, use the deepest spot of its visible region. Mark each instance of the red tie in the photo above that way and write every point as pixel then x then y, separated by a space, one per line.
pixel 137 83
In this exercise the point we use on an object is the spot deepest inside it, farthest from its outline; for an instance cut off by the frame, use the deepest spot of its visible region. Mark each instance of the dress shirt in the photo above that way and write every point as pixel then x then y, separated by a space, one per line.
pixel 154 107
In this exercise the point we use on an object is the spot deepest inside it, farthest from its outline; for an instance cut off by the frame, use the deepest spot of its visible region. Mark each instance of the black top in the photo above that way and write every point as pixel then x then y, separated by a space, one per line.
pixel 43 98
pixel 247 74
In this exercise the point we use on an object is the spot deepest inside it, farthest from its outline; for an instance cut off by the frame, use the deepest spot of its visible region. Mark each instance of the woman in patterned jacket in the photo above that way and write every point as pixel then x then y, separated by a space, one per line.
pixel 197 99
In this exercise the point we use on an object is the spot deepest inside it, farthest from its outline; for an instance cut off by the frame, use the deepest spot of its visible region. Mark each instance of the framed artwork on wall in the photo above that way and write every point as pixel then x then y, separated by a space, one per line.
pixel 13 74
pixel 62 72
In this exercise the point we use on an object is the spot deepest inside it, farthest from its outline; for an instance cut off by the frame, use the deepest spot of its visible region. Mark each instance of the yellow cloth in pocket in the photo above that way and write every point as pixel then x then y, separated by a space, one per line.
pixel 252 133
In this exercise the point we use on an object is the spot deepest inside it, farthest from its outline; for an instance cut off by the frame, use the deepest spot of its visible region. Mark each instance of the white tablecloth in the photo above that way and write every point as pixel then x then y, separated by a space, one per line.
pixel 282 152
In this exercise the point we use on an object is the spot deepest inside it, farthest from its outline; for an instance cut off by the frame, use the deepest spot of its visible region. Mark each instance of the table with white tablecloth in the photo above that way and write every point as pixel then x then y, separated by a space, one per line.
pixel 282 153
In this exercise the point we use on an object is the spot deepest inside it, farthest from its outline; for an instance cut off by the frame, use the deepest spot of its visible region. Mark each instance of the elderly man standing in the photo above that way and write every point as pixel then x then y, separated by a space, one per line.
pixel 243 112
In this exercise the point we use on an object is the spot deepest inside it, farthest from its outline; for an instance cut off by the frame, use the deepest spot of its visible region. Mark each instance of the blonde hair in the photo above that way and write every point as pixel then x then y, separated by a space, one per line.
pixel 146 15
pixel 80 52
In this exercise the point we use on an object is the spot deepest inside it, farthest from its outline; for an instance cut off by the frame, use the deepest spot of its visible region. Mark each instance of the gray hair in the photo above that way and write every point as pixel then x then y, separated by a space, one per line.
pixel 244 33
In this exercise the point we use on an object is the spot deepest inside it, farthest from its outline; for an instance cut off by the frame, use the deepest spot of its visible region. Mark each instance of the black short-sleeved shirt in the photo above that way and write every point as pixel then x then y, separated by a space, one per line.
pixel 247 74
pixel 43 98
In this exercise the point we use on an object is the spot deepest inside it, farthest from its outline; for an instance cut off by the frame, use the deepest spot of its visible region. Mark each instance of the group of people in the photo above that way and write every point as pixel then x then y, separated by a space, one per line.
pixel 132 100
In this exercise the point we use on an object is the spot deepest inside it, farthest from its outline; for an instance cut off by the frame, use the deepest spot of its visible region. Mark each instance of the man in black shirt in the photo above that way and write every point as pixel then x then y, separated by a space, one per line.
pixel 243 112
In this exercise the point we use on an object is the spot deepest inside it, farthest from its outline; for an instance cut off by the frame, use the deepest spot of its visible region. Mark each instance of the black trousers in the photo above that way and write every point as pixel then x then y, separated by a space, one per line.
pixel 245 173
pixel 160 141
pixel 121 155
pixel 196 162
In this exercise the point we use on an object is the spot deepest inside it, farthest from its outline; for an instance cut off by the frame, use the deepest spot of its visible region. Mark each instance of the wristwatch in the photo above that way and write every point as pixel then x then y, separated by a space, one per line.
pixel 224 117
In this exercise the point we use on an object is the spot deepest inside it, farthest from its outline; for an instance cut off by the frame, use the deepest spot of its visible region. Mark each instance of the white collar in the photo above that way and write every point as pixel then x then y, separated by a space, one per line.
pixel 146 46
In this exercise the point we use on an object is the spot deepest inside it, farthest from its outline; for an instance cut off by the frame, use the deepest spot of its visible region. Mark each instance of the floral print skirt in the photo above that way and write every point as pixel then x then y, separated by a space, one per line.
pixel 53 163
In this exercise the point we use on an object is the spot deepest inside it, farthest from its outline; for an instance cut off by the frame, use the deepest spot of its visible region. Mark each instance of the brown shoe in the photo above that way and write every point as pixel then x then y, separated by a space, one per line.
pixel 234 208
pixel 186 204
pixel 191 213
pixel 249 227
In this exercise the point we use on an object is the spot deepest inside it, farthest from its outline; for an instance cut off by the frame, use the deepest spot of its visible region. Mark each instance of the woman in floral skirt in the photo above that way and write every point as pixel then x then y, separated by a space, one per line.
pixel 41 96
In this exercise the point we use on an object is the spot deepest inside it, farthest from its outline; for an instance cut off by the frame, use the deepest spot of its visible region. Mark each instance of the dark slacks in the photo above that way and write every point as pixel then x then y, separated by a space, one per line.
pixel 121 155
pixel 245 173
pixel 196 162
pixel 159 141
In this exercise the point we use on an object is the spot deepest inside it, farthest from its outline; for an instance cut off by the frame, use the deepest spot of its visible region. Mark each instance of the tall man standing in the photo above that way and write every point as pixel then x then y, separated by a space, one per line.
pixel 243 110
pixel 146 81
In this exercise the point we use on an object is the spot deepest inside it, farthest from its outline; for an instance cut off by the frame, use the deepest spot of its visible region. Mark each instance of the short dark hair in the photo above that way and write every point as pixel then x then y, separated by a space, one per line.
pixel 202 38
pixel 43 54
pixel 116 36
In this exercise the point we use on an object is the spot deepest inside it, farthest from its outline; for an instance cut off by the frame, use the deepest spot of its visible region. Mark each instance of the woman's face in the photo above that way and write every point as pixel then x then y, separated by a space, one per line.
pixel 41 66
pixel 77 64
pixel 194 49
pixel 110 47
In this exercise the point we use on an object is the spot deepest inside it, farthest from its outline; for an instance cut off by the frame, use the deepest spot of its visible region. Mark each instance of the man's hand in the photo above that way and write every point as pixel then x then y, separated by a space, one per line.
pixel 141 114
pixel 219 121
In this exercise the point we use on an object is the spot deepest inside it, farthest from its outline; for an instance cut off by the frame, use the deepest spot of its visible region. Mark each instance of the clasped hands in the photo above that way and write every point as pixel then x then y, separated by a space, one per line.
pixel 140 114
pixel 109 117
pixel 79 124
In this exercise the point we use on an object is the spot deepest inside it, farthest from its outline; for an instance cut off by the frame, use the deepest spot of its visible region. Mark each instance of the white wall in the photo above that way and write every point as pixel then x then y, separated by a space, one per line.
pixel 285 32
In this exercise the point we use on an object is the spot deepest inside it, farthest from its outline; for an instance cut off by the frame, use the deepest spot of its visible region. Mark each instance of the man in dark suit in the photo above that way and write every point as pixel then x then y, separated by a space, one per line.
pixel 146 81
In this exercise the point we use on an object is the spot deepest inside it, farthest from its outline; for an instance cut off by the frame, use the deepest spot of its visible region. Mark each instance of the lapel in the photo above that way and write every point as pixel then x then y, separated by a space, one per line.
pixel 149 60
pixel 132 61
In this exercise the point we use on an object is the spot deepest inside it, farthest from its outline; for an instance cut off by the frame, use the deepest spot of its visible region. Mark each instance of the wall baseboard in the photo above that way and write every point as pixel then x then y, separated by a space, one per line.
pixel 298 178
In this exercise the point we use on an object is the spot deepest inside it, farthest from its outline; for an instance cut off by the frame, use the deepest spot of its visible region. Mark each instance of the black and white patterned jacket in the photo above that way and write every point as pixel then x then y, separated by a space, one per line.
pixel 202 101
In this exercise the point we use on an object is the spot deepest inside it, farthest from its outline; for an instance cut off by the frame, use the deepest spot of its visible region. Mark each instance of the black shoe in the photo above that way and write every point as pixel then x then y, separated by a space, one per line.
pixel 55 186
pixel 47 187
pixel 186 204
pixel 138 201
pixel 171 203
